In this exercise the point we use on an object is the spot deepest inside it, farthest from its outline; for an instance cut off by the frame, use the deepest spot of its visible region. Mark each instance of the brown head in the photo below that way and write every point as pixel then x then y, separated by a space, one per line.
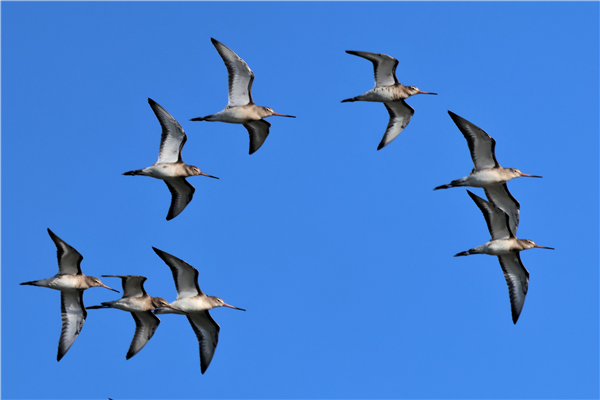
pixel 530 244
pixel 217 302
pixel 159 302
pixel 412 90
pixel 267 112
pixel 196 171
pixel 95 282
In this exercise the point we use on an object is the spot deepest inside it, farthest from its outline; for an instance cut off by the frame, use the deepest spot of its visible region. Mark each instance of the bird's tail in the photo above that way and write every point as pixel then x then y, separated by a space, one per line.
pixel 95 307
pixel 466 253
pixel 454 183
pixel 135 172
pixel 448 186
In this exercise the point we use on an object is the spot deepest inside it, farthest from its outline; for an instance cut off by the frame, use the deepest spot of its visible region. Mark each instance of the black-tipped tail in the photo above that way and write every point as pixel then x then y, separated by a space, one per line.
pixel 448 186
pixel 136 172
pixel 95 307
pixel 463 253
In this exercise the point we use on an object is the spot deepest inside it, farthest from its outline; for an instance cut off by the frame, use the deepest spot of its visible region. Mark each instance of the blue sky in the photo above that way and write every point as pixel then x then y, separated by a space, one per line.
pixel 341 254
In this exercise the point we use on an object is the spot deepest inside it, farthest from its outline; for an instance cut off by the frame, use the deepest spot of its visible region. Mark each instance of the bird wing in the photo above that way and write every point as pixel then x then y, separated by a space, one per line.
pixel 69 259
pixel 384 67
pixel 133 285
pixel 517 279
pixel 207 333
pixel 172 137
pixel 184 275
pixel 499 195
pixel 400 115
pixel 73 316
pixel 496 219
pixel 240 76
pixel 481 145
pixel 182 193
pixel 145 326
pixel 258 130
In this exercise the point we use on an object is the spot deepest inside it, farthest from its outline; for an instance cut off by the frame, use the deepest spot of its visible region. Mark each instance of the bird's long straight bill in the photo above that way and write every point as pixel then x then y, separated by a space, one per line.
pixel 531 176
pixel 543 247
pixel 230 306
pixel 109 288
pixel 283 115
pixel 210 176
pixel 422 92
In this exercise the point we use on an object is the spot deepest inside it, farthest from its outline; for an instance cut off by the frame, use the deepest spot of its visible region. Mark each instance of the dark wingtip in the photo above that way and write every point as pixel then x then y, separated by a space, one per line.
pixel 462 253
pixel 348 100
pixel 441 187
pixel 197 119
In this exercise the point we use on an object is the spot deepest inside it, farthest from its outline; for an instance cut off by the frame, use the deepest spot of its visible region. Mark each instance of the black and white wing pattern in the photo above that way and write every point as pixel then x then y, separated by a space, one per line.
pixel 384 67
pixel 517 278
pixel 207 333
pixel 69 259
pixel 481 145
pixel 73 316
pixel 240 76
pixel 133 285
pixel 184 275
pixel 400 115
pixel 182 193
pixel 258 130
pixel 496 219
pixel 499 195
pixel 145 326
pixel 172 137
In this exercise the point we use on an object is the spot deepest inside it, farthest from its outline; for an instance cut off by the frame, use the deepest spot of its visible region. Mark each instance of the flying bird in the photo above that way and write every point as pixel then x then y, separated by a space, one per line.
pixel 140 305
pixel 195 304
pixel 170 166
pixel 241 108
pixel 71 282
pixel 506 246
pixel 388 91
pixel 487 173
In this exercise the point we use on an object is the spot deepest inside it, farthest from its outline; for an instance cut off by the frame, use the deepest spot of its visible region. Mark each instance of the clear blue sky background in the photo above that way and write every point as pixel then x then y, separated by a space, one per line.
pixel 341 254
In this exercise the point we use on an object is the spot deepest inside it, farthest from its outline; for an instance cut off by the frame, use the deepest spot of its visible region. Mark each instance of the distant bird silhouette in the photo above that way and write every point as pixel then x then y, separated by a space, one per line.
pixel 388 91
pixel 241 109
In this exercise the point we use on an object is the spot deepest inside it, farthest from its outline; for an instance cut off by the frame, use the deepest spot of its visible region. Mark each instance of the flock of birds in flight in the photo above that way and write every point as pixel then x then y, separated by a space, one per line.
pixel 501 211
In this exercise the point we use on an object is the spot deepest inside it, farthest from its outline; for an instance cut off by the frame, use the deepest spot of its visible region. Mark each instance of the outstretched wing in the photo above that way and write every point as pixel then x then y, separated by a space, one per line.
pixel 400 115
pixel 517 278
pixel 240 76
pixel 73 316
pixel 182 193
pixel 384 67
pixel 258 130
pixel 145 326
pixel 172 137
pixel 481 145
pixel 184 275
pixel 207 333
pixel 69 259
